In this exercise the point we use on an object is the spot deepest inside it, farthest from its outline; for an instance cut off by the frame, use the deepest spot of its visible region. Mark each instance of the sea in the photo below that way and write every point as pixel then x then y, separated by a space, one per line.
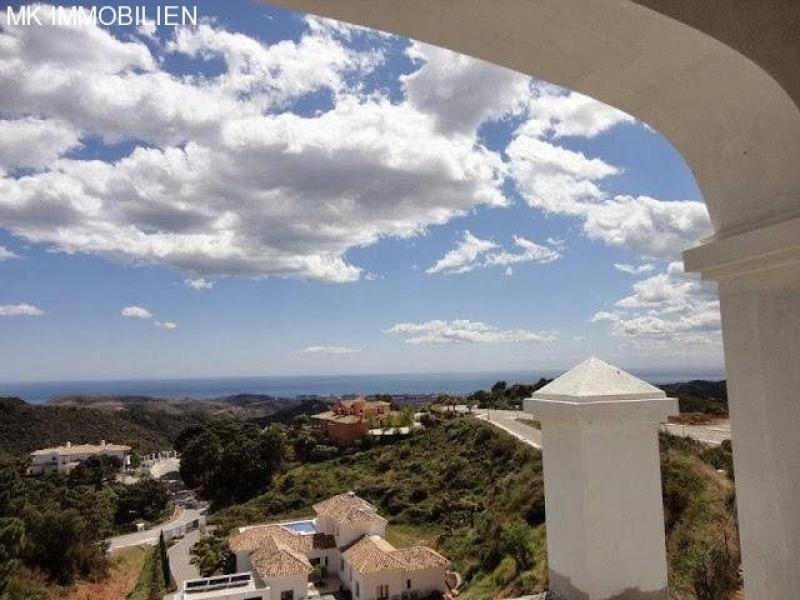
pixel 296 386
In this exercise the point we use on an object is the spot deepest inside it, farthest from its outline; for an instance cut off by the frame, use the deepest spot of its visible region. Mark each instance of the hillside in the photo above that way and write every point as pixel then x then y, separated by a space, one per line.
pixel 700 398
pixel 477 495
pixel 25 427
pixel 241 406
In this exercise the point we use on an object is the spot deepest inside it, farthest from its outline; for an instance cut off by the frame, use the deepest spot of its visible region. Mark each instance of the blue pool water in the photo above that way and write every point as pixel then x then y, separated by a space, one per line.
pixel 301 526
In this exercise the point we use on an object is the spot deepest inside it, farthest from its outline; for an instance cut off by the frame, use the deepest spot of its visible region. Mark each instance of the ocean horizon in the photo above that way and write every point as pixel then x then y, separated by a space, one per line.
pixel 292 386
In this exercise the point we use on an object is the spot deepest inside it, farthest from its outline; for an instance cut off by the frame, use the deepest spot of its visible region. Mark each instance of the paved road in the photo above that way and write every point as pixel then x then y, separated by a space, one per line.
pixel 179 557
pixel 710 434
pixel 164 466
pixel 150 536
pixel 508 420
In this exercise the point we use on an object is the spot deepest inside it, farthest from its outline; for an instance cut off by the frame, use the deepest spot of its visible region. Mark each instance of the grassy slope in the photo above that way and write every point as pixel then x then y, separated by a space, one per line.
pixel 456 485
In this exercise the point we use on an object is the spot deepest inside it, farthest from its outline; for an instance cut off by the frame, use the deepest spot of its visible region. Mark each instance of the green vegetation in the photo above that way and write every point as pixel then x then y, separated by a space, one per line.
pixel 212 555
pixel 699 401
pixel 699 511
pixel 477 496
pixel 25 427
pixel 456 485
pixel 155 579
pixel 55 525
pixel 230 461
pixel 503 396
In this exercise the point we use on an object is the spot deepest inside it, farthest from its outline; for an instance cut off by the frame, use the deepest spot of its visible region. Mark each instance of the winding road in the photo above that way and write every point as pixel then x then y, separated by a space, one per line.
pixel 509 421
pixel 149 537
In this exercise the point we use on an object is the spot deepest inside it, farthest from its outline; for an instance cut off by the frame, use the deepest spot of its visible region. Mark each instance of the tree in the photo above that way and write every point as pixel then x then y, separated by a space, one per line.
pixel 12 541
pixel 231 462
pixel 166 572
pixel 499 388
pixel 146 500
pixel 212 556
pixel 60 543
pixel 406 418
pixel 97 471
pixel 304 444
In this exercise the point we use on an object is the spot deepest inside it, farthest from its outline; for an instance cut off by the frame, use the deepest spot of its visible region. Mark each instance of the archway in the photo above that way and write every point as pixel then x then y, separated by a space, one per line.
pixel 733 114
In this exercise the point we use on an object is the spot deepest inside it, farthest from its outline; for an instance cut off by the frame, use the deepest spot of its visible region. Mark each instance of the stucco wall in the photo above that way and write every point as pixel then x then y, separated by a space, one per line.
pixel 297 583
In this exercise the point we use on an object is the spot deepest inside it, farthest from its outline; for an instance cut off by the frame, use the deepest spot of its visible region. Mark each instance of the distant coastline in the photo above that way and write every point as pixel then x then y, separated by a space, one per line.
pixel 299 386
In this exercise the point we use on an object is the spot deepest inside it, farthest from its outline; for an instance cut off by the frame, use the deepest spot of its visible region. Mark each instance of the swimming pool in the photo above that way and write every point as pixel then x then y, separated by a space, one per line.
pixel 304 527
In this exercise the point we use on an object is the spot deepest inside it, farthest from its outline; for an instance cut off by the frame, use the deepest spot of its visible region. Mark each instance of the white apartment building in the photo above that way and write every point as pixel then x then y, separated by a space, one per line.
pixel 63 459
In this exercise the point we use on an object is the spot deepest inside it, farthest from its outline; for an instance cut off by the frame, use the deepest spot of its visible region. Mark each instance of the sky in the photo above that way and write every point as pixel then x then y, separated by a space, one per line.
pixel 271 193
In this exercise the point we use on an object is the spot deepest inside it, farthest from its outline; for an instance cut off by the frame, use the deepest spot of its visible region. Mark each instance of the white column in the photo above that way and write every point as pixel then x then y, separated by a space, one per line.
pixel 759 284
pixel 605 518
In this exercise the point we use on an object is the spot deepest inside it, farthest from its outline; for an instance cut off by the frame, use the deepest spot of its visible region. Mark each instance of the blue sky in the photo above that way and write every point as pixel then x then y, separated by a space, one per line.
pixel 270 193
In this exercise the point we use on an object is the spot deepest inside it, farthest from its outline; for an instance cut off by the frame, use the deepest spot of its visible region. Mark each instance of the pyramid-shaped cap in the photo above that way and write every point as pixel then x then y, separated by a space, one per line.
pixel 594 380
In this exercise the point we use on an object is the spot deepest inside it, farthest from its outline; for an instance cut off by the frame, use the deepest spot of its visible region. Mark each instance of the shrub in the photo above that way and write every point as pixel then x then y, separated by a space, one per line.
pixel 505 571
pixel 716 577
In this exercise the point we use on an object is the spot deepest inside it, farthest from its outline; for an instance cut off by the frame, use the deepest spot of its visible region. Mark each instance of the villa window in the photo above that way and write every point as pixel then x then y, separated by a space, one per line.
pixel 358 589
pixel 408 584
pixel 287 595
pixel 383 592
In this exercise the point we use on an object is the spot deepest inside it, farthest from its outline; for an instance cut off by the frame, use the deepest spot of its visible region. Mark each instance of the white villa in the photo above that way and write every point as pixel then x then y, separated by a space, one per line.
pixel 63 459
pixel 273 562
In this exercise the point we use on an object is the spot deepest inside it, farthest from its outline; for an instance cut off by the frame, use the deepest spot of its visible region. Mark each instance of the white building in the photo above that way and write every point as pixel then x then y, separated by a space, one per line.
pixel 346 543
pixel 63 459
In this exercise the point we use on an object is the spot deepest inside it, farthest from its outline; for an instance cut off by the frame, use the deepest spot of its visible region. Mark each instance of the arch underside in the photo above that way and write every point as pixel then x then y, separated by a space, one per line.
pixel 737 126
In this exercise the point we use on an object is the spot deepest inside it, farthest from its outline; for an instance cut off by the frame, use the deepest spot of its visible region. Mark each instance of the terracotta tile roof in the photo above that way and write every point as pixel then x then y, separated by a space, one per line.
pixel 278 560
pixel 372 554
pixel 422 557
pixel 324 416
pixel 269 536
pixel 81 449
pixel 329 416
pixel 347 508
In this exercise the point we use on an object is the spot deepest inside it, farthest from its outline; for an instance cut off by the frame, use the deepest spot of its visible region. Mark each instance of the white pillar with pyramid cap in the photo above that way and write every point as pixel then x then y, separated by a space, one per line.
pixel 602 478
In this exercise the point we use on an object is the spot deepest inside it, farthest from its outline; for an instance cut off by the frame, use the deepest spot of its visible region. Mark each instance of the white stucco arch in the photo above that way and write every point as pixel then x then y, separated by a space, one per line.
pixel 738 127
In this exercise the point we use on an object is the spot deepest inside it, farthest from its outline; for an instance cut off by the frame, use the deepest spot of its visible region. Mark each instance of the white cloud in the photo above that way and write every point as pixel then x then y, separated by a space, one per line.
pixel 634 269
pixel 148 29
pixel 34 143
pixel 471 253
pixel 465 331
pixel 673 305
pixel 561 181
pixel 462 258
pixel 275 74
pixel 529 251
pixel 20 310
pixel 246 192
pixel 200 283
pixel 330 350
pixel 649 227
pixel 555 179
pixel 6 254
pixel 461 92
pixel 136 312
pixel 168 325
pixel 558 113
